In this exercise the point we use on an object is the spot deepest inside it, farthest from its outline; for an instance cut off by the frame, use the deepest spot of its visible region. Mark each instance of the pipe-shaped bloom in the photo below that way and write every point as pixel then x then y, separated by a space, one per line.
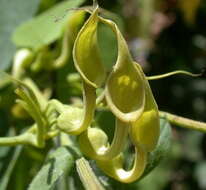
pixel 125 92
pixel 88 64
pixel 130 98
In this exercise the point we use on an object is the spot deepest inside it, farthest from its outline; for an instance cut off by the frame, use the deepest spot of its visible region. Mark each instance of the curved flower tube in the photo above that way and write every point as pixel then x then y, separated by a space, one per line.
pixel 86 55
pixel 75 120
pixel 125 83
pixel 94 142
pixel 115 169
pixel 87 62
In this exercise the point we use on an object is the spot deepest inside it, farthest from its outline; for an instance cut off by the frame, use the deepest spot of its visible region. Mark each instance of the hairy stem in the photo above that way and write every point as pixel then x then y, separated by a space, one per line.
pixel 184 122
pixel 25 138
pixel 87 176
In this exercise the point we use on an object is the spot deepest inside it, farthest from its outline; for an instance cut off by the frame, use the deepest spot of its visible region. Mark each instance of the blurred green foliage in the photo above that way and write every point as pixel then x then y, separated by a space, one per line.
pixel 13 13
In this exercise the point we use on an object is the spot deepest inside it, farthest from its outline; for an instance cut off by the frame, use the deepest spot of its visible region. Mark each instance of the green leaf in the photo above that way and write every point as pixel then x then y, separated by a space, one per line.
pixel 43 30
pixel 162 148
pixel 12 14
pixel 59 163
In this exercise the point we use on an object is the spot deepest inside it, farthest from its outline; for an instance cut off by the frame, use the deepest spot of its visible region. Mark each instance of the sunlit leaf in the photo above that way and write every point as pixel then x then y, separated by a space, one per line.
pixel 59 163
pixel 46 27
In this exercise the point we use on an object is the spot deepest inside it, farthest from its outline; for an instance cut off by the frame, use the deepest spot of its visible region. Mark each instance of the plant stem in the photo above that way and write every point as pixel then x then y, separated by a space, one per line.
pixel 156 77
pixel 25 138
pixel 87 176
pixel 184 122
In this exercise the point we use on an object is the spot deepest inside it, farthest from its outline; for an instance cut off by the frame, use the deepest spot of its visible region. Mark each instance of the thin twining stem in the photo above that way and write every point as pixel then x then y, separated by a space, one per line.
pixel 184 122
pixel 156 77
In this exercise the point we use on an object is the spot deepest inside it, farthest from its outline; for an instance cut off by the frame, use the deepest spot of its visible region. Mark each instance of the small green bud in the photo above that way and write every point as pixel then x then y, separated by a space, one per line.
pixel 92 142
pixel 70 119
pixel 97 144
pixel 75 120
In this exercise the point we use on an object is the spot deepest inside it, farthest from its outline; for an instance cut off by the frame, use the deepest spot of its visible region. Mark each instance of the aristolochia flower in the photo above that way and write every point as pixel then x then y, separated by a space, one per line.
pixel 128 96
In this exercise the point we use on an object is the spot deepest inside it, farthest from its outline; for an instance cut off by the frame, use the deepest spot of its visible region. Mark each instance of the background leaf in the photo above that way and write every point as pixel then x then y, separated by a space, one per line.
pixel 200 172
pixel 43 29
pixel 58 164
pixel 12 14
